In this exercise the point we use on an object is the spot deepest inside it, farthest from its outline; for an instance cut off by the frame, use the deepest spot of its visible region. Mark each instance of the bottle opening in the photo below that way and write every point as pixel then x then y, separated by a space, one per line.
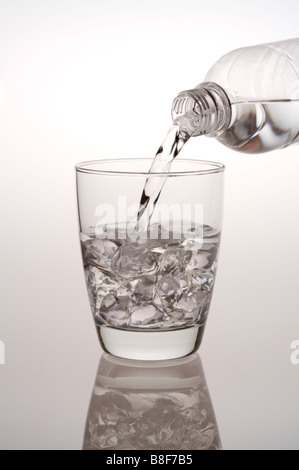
pixel 204 110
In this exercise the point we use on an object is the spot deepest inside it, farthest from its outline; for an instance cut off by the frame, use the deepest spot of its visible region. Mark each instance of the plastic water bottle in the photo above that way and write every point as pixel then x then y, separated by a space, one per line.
pixel 249 100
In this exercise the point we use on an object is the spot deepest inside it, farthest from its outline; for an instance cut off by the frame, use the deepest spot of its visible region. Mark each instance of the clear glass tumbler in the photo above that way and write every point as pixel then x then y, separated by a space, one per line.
pixel 150 279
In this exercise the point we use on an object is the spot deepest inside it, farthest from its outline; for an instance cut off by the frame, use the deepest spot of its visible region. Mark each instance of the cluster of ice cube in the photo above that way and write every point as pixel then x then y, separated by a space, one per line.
pixel 127 420
pixel 146 283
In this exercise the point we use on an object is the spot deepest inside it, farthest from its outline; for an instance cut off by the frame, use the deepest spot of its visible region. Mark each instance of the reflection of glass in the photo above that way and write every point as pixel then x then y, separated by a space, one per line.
pixel 151 405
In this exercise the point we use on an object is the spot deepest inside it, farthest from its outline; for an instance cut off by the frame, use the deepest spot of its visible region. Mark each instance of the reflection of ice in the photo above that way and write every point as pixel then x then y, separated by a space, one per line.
pixel 151 405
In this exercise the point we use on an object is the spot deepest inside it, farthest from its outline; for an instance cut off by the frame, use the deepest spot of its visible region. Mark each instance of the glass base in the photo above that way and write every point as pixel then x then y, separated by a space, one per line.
pixel 150 345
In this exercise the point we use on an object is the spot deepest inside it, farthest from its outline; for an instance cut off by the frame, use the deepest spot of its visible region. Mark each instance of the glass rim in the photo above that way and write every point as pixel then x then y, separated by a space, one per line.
pixel 85 167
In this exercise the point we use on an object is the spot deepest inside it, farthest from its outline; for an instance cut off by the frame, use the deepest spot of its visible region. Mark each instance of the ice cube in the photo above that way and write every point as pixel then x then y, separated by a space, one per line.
pixel 108 303
pixel 189 308
pixel 187 304
pixel 126 290
pixel 144 315
pixel 202 300
pixel 157 302
pixel 168 292
pixel 158 232
pixel 198 297
pixel 165 243
pixel 184 282
pixel 100 283
pixel 174 260
pixel 175 317
pixel 193 244
pixel 113 311
pixel 134 260
pixel 201 280
pixel 144 290
pixel 198 261
pixel 214 266
pixel 159 249
pixel 85 238
pixel 123 291
pixel 117 233
pixel 100 253
pixel 191 316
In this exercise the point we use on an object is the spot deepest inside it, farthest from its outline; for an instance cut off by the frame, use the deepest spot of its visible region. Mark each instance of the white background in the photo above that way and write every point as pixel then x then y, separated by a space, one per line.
pixel 81 80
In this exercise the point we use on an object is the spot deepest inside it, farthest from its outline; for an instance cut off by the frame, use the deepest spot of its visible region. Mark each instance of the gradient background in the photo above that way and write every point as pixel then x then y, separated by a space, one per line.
pixel 81 80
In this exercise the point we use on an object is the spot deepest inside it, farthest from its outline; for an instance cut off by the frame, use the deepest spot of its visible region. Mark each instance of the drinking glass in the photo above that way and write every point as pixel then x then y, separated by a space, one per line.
pixel 150 278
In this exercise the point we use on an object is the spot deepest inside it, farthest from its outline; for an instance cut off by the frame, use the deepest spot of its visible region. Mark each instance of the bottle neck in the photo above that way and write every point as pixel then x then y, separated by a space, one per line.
pixel 204 110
